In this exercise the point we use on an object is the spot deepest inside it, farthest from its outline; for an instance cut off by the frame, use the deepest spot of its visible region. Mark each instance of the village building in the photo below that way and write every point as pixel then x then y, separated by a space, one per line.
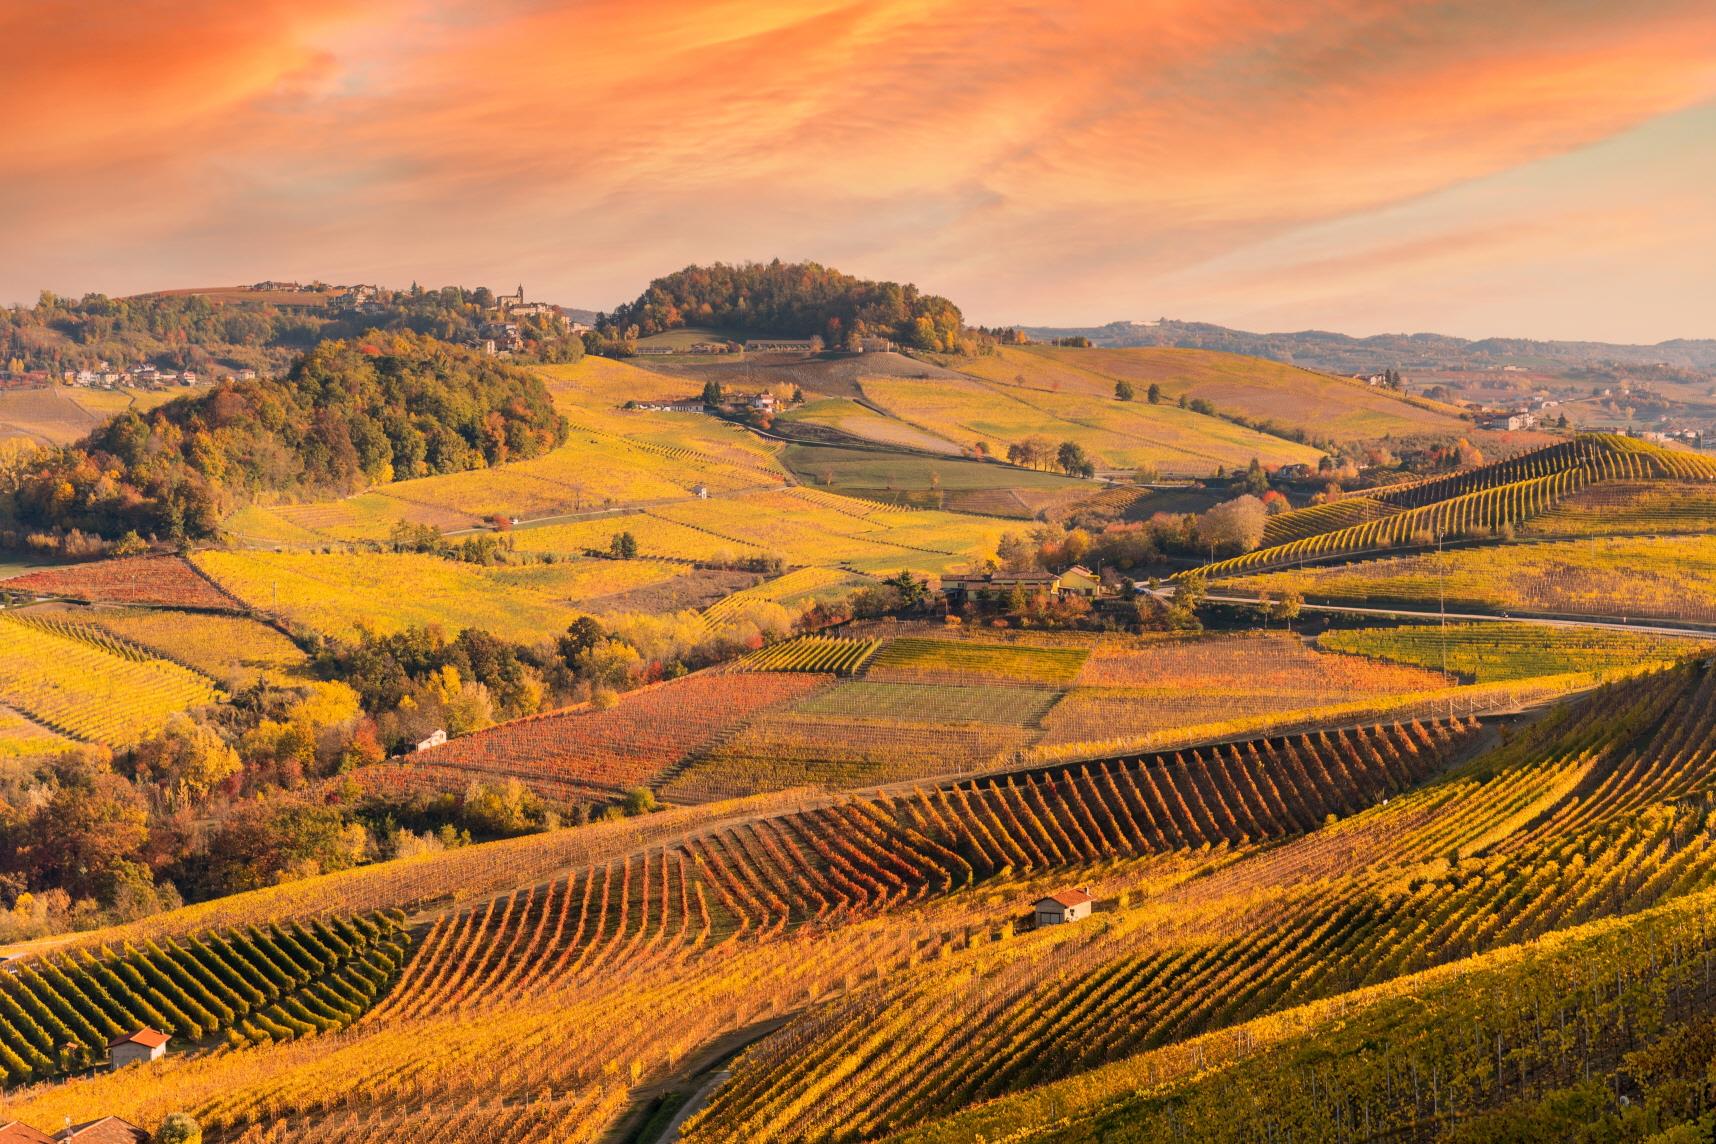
pixel 434 740
pixel 1063 907
pixel 143 1045
pixel 507 301
pixel 875 346
pixel 762 402
pixel 1509 422
pixel 958 589
pixel 107 1130
pixel 780 346
pixel 17 1132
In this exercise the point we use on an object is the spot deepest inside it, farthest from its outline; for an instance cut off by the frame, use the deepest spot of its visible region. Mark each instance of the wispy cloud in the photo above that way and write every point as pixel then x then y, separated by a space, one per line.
pixel 1052 162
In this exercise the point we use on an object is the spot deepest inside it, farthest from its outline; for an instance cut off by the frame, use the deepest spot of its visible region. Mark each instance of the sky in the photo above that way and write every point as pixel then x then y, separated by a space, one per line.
pixel 1473 167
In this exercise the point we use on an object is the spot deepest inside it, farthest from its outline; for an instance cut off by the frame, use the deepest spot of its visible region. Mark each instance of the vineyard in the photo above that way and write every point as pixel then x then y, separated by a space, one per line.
pixel 812 653
pixel 1137 688
pixel 1636 578
pixel 231 649
pixel 159 581
pixel 1485 652
pixel 1550 830
pixel 1248 893
pixel 336 592
pixel 587 753
pixel 85 684
pixel 255 986
pixel 1526 492
pixel 21 737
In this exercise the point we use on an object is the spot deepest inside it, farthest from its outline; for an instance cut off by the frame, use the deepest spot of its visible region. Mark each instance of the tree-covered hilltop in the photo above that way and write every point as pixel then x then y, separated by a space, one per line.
pixel 800 299
pixel 349 414
pixel 230 330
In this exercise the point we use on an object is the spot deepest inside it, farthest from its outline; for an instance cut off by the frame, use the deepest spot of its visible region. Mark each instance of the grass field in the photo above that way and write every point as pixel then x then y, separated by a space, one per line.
pixel 87 691
pixel 1324 407
pixel 850 417
pixel 1637 578
pixel 950 661
pixel 998 410
pixel 337 593
pixel 949 483
pixel 1484 652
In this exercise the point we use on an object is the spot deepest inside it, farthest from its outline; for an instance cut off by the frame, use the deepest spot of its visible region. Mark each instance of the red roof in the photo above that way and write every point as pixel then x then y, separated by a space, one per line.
pixel 148 1038
pixel 107 1130
pixel 1068 898
pixel 15 1132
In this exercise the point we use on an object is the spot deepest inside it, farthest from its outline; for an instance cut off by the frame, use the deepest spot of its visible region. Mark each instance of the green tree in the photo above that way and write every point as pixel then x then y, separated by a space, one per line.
pixel 712 394
pixel 1073 461
pixel 1154 394
pixel 1256 480
pixel 1123 391
pixel 179 1128
pixel 913 591
pixel 623 546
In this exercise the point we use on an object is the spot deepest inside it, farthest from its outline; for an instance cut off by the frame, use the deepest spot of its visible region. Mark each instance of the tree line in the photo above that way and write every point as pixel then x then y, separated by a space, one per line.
pixel 348 415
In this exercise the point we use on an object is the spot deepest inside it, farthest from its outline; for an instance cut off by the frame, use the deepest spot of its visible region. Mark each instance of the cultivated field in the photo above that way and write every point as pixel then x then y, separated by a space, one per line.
pixel 1485 652
pixel 158 581
pixel 1634 578
pixel 1322 406
pixel 998 410
pixel 231 649
pixel 338 592
pixel 86 685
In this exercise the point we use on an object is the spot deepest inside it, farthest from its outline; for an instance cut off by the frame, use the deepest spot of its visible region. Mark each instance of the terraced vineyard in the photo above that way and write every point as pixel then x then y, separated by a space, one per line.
pixel 84 684
pixel 22 737
pixel 226 648
pixel 255 985
pixel 1488 500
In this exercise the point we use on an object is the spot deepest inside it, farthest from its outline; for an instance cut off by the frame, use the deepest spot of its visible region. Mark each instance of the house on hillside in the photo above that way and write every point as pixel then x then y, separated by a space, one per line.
pixel 762 402
pixel 874 345
pixel 107 1130
pixel 1080 581
pixel 1509 422
pixel 145 1044
pixel 1063 907
pixel 17 1132
pixel 434 740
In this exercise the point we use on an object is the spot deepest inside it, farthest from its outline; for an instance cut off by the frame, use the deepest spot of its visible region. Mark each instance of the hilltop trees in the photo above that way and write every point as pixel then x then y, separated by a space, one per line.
pixel 350 414
pixel 802 299
pixel 1233 526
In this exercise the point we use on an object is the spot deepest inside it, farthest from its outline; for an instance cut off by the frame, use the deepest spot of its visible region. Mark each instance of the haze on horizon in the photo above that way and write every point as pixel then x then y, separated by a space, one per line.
pixel 1538 169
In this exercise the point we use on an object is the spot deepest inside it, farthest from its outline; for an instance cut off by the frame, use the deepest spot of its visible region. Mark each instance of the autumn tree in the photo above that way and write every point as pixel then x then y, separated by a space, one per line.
pixel 1233 526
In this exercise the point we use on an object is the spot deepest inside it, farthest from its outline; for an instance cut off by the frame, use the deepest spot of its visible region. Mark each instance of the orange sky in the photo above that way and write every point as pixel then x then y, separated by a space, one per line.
pixel 1481 167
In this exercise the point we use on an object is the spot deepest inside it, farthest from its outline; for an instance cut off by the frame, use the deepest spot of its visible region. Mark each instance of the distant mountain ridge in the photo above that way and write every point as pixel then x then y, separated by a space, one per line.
pixel 1342 353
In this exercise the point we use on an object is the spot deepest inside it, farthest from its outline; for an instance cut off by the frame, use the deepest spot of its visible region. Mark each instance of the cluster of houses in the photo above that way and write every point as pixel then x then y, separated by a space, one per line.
pixel 145 376
pixel 763 346
pixel 1509 422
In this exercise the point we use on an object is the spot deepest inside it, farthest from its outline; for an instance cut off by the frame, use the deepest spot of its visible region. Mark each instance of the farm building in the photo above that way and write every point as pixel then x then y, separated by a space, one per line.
pixel 107 1130
pixel 1073 582
pixel 1063 907
pixel 1080 581
pixel 17 1132
pixel 144 1045
pixel 434 740
pixel 653 351
pixel 874 345
pixel 787 346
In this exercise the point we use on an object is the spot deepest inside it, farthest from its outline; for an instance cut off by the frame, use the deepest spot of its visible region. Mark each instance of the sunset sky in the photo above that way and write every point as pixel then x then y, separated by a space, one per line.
pixel 1484 167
